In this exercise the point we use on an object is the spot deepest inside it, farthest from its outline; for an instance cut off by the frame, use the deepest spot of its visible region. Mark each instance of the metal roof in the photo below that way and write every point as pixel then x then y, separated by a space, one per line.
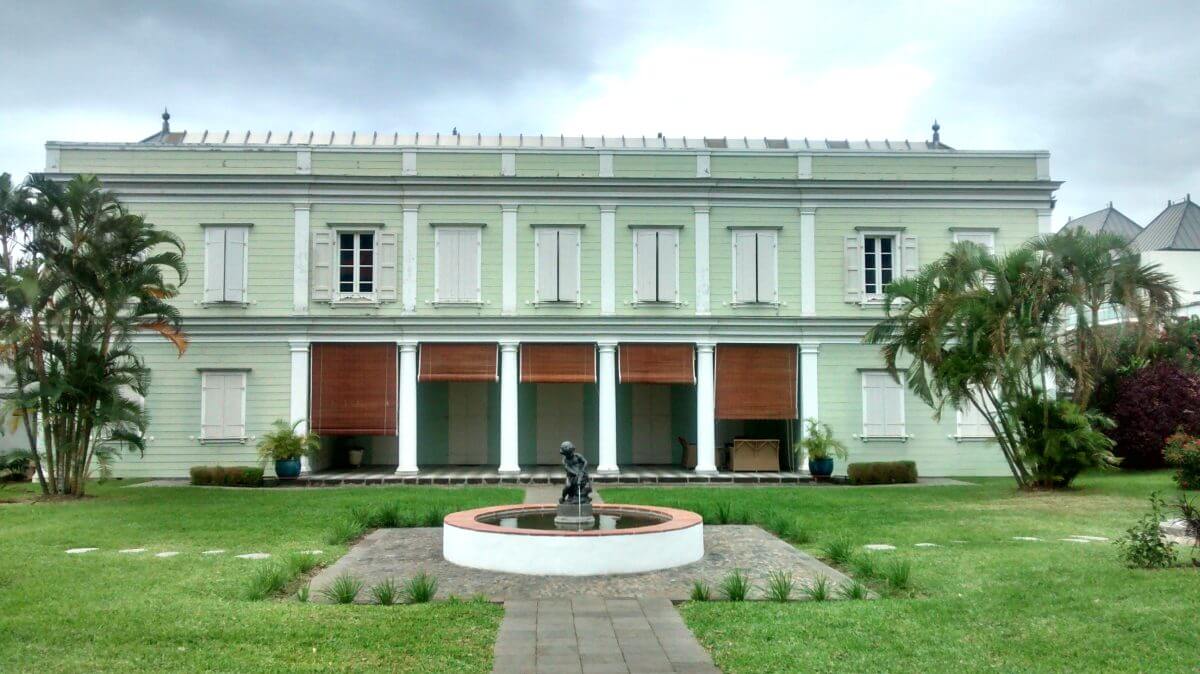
pixel 1108 220
pixel 1176 228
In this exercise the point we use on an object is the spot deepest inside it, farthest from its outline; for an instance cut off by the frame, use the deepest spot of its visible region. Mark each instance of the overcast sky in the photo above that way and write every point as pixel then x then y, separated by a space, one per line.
pixel 1111 89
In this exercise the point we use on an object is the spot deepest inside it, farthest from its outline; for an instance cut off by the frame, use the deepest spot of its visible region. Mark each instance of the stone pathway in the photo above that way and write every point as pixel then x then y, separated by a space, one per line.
pixel 585 635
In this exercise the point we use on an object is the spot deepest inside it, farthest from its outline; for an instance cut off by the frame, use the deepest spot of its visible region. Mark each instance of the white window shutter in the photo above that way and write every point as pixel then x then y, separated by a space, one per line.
pixel 874 411
pixel 212 397
pixel 214 264
pixel 745 268
pixel 853 269
pixel 235 264
pixel 470 244
pixel 646 255
pixel 568 265
pixel 768 290
pixel 547 265
pixel 910 257
pixel 668 263
pixel 895 408
pixel 234 415
pixel 385 263
pixel 322 265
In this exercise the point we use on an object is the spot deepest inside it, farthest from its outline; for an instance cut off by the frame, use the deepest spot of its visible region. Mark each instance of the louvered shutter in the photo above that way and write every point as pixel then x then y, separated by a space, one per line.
pixel 322 266
pixel 446 284
pixel 894 407
pixel 647 255
pixel 568 265
pixel 852 267
pixel 547 265
pixel 745 267
pixel 214 264
pixel 911 260
pixel 874 405
pixel 668 263
pixel 235 264
pixel 767 277
pixel 233 418
pixel 212 397
pixel 385 261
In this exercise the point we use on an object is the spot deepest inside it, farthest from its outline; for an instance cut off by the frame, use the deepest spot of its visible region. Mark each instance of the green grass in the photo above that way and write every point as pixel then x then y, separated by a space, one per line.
pixel 105 611
pixel 990 604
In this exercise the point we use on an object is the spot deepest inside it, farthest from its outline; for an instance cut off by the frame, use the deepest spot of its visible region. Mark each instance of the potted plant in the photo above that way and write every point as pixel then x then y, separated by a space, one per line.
pixel 354 454
pixel 285 446
pixel 820 446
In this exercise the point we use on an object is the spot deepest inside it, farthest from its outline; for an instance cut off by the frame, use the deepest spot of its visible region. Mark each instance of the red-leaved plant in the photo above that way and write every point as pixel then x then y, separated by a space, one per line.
pixel 1153 403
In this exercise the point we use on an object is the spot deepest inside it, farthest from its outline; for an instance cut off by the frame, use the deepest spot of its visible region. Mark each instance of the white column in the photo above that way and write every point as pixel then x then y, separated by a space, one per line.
pixel 299 406
pixel 407 398
pixel 702 288
pixel 508 252
pixel 509 461
pixel 706 454
pixel 808 383
pixel 409 271
pixel 300 247
pixel 808 261
pixel 608 257
pixel 607 385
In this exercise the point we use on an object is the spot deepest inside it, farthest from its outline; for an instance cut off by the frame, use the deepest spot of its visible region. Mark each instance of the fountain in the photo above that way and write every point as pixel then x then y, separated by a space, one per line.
pixel 573 537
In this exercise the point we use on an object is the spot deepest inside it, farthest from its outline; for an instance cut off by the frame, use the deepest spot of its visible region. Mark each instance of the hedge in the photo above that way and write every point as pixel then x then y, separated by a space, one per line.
pixel 228 476
pixel 882 472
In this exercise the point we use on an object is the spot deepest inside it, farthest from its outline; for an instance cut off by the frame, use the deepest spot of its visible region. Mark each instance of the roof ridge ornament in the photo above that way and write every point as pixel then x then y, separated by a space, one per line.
pixel 937 137
pixel 166 118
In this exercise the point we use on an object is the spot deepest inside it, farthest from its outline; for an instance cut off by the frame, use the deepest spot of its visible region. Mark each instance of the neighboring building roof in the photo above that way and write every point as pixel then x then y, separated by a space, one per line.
pixel 1108 220
pixel 1176 228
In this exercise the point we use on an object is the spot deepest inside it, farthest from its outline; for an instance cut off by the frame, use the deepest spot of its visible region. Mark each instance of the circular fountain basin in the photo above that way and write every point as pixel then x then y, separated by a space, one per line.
pixel 524 539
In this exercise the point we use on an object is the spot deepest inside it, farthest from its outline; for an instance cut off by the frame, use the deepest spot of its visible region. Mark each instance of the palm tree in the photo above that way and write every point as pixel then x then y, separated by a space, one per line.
pixel 90 277
pixel 1099 272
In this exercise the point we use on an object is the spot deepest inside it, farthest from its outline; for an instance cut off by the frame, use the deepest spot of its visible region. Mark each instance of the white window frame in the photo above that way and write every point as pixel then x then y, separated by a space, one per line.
pixel 336 264
pixel 862 379
pixel 897 238
pixel 537 265
pixel 208 265
pixel 734 231
pixel 636 253
pixel 991 234
pixel 204 374
pixel 960 415
pixel 437 259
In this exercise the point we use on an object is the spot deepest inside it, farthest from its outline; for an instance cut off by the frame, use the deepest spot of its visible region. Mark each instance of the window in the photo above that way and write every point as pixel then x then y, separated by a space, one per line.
pixel 754 265
pixel 879 263
pixel 457 264
pixel 225 250
pixel 356 264
pixel 557 264
pixel 986 240
pixel 883 405
pixel 972 423
pixel 656 265
pixel 223 405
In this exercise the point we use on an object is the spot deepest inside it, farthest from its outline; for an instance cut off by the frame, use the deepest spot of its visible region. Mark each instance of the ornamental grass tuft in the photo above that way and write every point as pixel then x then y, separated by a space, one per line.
pixel 343 590
pixel 736 586
pixel 420 589
pixel 780 586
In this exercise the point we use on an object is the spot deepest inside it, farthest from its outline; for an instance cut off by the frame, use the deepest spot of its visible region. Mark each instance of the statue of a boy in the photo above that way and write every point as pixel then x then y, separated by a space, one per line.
pixel 578 489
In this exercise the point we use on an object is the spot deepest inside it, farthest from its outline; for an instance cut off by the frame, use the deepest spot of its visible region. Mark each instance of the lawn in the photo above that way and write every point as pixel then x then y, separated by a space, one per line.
pixel 106 611
pixel 988 604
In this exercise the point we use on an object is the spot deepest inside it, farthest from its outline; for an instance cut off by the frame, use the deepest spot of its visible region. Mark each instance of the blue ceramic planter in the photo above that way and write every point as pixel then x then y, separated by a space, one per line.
pixel 820 467
pixel 287 468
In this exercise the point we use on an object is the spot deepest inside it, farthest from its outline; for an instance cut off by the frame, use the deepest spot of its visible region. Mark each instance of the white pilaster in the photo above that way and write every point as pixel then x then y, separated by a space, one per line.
pixel 809 408
pixel 409 273
pixel 1043 219
pixel 804 166
pixel 607 385
pixel 508 252
pixel 299 397
pixel 706 454
pixel 407 398
pixel 408 163
pixel 509 461
pixel 808 261
pixel 508 164
pixel 1043 167
pixel 606 165
pixel 703 164
pixel 53 157
pixel 300 247
pixel 303 162
pixel 703 306
pixel 608 260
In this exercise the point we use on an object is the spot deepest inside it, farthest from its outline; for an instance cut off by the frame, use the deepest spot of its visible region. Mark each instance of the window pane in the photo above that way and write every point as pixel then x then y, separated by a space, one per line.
pixel 885 276
pixel 869 261
pixel 365 274
pixel 366 240
pixel 347 240
pixel 365 257
pixel 885 260
pixel 346 287
pixel 885 244
pixel 869 244
pixel 346 257
pixel 364 287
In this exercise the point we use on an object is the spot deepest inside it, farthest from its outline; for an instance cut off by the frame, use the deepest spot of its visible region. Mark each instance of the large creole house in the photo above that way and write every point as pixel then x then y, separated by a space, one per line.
pixel 447 300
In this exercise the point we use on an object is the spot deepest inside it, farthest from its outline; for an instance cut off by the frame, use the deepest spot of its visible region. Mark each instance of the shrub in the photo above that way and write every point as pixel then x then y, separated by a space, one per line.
pixel 1151 404
pixel 701 591
pixel 1061 440
pixel 817 589
pixel 386 593
pixel 1183 453
pixel 227 476
pixel 853 590
pixel 780 586
pixel 388 516
pixel 1143 546
pixel 14 466
pixel 838 550
pixel 343 590
pixel 344 531
pixel 736 586
pixel 882 472
pixel 420 588
pixel 898 574
pixel 863 565
pixel 267 579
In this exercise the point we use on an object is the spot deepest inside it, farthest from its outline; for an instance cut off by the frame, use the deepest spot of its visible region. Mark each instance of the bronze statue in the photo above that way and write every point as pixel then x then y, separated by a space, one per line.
pixel 578 489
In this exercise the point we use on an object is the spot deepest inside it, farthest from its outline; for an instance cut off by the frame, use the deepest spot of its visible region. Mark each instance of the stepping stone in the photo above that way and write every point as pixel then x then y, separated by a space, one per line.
pixel 80 551
pixel 926 545
pixel 166 554
pixel 878 546
pixel 1074 540
pixel 311 552
pixel 255 555
pixel 132 551
pixel 1094 539
pixel 213 552
pixel 1026 538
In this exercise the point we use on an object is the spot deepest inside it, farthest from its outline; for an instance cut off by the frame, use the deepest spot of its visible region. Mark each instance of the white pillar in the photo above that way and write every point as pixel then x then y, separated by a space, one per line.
pixel 808 383
pixel 299 406
pixel 702 284
pixel 706 454
pixel 608 257
pixel 509 461
pixel 300 246
pixel 808 261
pixel 408 271
pixel 607 386
pixel 508 253
pixel 407 398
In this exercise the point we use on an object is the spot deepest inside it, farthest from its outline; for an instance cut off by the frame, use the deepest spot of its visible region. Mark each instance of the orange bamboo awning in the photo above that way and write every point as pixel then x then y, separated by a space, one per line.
pixel 657 364
pixel 756 381
pixel 458 362
pixel 353 389
pixel 558 363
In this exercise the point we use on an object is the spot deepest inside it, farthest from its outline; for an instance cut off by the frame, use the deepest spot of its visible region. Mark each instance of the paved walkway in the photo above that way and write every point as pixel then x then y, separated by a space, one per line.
pixel 588 635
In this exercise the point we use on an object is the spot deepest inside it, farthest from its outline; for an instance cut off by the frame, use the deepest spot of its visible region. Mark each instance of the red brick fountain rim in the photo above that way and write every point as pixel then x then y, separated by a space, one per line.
pixel 674 519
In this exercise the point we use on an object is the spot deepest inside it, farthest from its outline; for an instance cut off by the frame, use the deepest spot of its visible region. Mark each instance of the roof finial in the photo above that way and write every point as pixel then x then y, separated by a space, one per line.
pixel 166 117
pixel 454 131
pixel 937 137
